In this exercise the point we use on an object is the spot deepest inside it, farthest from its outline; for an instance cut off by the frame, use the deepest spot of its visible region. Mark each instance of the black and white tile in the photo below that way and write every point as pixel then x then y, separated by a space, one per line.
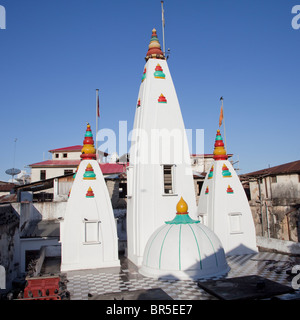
pixel 83 283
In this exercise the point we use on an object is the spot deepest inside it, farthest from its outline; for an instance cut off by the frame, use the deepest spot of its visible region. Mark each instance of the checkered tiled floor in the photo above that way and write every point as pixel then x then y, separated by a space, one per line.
pixel 81 283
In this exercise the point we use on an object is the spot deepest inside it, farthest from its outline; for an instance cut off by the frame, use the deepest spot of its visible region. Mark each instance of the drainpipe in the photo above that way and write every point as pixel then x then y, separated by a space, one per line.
pixel 268 223
pixel 260 204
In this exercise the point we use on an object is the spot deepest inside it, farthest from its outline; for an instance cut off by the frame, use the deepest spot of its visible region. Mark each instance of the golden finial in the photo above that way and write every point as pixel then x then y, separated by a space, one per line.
pixel 182 206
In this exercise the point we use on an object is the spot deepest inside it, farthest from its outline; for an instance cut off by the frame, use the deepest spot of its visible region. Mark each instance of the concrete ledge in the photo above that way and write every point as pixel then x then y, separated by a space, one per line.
pixel 281 246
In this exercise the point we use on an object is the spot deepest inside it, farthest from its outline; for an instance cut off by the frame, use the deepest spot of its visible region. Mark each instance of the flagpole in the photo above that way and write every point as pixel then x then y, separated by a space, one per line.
pixel 163 25
pixel 97 97
pixel 224 125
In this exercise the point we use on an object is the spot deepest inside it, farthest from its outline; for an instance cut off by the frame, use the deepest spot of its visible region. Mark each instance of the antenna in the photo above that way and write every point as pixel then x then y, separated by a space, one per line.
pixel 163 25
pixel 15 151
pixel 13 171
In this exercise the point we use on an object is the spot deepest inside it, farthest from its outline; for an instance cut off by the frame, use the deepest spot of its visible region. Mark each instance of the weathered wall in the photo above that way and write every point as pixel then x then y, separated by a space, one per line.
pixel 36 211
pixel 276 221
pixel 9 242
pixel 276 208
pixel 50 173
pixel 286 187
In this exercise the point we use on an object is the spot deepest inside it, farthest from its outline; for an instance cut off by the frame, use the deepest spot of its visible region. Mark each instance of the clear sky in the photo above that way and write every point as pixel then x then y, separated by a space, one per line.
pixel 55 53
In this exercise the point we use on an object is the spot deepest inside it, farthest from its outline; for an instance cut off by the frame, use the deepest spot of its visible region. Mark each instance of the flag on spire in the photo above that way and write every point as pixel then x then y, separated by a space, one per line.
pixel 221 113
pixel 98 106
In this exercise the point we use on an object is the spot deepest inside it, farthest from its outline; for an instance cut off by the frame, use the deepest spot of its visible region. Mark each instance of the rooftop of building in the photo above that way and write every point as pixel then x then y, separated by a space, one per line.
pixel 286 168
pixel 126 283
pixel 6 186
pixel 106 168
pixel 76 148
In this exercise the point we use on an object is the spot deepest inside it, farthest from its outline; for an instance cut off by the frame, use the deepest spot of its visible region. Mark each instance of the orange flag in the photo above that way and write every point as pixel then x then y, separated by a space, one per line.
pixel 221 115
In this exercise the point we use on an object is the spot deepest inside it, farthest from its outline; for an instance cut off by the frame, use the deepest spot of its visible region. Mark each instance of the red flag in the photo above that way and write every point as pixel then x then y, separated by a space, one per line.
pixel 98 107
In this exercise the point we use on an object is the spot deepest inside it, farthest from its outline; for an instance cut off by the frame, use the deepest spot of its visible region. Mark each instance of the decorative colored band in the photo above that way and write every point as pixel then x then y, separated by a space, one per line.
pixel 159 74
pixel 211 173
pixel 88 156
pixel 182 219
pixel 162 99
pixel 220 157
pixel 144 75
pixel 206 190
pixel 90 193
pixel 89 173
pixel 229 190
pixel 225 172
pixel 88 134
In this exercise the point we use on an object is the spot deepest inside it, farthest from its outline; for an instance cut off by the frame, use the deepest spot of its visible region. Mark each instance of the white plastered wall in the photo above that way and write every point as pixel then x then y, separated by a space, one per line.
pixel 147 206
pixel 88 231
pixel 228 215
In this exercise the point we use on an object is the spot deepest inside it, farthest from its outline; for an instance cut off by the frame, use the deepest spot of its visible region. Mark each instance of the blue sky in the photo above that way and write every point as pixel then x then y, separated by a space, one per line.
pixel 55 53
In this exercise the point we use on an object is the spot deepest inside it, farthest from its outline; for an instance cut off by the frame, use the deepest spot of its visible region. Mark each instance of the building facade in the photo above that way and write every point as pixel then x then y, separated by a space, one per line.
pixel 274 197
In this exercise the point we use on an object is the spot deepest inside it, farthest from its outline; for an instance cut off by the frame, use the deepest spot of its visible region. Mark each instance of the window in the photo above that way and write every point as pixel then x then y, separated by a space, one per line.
pixel 168 179
pixel 274 179
pixel 235 222
pixel 65 155
pixel 56 155
pixel 199 185
pixel 68 171
pixel 91 231
pixel 122 190
pixel 43 175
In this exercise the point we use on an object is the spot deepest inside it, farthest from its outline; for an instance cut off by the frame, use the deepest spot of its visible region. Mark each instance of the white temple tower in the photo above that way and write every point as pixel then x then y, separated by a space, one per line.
pixel 159 169
pixel 223 205
pixel 88 231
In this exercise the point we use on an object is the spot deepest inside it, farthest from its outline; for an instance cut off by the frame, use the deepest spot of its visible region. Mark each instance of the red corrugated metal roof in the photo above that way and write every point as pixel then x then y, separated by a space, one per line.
pixel 58 163
pixel 69 149
pixel 8 198
pixel 109 168
pixel 6 186
pixel 287 168
pixel 106 168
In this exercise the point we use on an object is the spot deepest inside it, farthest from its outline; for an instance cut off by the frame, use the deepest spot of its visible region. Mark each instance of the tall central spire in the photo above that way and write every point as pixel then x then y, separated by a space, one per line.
pixel 154 49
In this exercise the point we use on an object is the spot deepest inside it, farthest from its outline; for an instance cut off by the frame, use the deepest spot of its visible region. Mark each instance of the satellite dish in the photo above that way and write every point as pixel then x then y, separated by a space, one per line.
pixel 13 171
